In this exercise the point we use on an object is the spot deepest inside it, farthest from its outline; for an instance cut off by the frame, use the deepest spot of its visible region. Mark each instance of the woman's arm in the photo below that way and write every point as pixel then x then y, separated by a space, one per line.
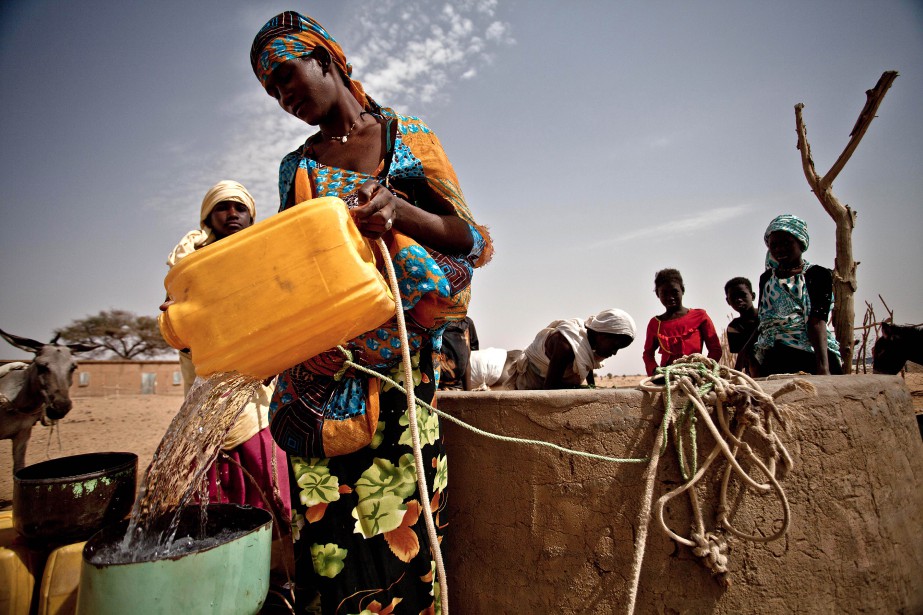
pixel 380 210
pixel 650 344
pixel 712 341
pixel 560 357
pixel 819 282
pixel 817 334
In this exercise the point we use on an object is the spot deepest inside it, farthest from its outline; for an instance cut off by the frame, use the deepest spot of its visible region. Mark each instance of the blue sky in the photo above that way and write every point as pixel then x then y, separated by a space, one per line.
pixel 600 141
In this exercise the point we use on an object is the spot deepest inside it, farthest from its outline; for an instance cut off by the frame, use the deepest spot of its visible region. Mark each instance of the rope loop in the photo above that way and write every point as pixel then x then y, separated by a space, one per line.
pixel 728 403
pixel 346 363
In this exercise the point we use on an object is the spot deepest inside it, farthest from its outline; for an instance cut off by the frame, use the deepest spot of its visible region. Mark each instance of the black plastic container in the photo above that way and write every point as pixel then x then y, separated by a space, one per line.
pixel 66 500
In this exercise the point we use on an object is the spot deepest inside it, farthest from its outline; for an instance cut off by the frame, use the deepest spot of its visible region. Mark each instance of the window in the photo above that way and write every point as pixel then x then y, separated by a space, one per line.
pixel 148 383
pixel 177 378
pixel 83 379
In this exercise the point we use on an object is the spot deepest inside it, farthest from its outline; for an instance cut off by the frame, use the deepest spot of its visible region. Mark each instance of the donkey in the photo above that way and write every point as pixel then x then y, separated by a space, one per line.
pixel 38 391
pixel 897 345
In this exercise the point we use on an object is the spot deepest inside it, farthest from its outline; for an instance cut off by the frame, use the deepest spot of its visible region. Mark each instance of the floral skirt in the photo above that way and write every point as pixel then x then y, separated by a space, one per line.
pixel 360 537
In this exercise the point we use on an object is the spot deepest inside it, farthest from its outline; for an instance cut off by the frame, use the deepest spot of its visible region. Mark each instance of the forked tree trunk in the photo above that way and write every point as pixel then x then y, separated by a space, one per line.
pixel 844 273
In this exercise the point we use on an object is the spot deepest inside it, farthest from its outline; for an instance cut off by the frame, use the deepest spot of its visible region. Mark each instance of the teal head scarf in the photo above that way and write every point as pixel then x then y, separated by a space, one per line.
pixel 793 225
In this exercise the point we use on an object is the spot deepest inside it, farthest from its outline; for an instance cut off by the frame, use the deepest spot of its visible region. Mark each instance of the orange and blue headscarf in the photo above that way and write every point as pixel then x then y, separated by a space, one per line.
pixel 291 35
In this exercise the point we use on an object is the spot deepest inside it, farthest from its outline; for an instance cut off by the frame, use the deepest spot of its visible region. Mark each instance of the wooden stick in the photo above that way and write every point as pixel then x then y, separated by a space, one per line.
pixel 844 273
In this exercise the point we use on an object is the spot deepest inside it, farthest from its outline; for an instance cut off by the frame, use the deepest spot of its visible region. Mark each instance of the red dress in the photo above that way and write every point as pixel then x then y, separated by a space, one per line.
pixel 678 337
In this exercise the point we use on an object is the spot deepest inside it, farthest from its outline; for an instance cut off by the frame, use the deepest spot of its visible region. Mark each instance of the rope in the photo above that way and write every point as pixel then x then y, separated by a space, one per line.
pixel 701 383
pixel 415 431
pixel 501 438
pixel 276 524
pixel 412 402
pixel 644 515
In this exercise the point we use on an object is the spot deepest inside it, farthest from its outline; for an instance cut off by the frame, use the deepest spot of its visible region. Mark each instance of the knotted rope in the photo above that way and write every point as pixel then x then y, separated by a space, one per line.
pixel 700 383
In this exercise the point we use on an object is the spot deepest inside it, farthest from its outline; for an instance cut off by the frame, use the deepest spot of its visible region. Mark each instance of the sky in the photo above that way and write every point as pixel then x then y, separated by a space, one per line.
pixel 600 141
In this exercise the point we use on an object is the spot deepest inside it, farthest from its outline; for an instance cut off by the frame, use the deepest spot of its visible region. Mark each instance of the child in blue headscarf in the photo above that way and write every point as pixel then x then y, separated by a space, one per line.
pixel 794 305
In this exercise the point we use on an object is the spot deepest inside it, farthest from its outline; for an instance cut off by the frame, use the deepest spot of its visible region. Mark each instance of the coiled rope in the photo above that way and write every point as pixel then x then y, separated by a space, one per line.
pixel 699 383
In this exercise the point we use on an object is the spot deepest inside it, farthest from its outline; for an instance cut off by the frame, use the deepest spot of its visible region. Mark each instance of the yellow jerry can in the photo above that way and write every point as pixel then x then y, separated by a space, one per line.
pixel 17 566
pixel 61 580
pixel 277 293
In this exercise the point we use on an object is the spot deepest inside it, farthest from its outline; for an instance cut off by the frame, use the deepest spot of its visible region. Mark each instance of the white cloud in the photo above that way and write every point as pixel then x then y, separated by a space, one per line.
pixel 497 31
pixel 423 52
pixel 678 227
pixel 406 55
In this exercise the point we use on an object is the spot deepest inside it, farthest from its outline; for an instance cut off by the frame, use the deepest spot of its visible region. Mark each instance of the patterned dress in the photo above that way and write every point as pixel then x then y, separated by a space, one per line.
pixel 785 305
pixel 360 539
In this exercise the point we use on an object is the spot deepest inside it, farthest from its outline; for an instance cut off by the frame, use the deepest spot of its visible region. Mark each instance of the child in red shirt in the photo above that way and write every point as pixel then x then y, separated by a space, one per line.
pixel 679 331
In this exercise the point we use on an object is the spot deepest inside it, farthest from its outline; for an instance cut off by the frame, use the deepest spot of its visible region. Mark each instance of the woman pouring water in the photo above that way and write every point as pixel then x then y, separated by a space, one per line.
pixel 360 535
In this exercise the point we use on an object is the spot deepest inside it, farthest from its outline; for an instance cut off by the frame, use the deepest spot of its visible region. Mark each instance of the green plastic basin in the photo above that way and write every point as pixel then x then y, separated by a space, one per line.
pixel 229 576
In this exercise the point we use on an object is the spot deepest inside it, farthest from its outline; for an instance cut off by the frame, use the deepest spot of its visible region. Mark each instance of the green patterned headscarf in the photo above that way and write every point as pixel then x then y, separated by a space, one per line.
pixel 793 225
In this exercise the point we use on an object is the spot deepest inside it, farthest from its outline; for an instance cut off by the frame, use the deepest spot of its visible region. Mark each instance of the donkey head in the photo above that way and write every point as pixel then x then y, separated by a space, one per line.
pixel 51 373
pixel 888 353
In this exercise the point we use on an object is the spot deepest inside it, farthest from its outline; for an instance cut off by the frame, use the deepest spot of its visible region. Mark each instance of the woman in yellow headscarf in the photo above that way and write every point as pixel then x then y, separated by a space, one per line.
pixel 248 446
pixel 360 538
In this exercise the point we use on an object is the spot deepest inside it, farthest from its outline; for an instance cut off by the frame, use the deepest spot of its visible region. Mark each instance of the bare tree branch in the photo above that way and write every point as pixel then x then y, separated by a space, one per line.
pixel 844 273
pixel 873 100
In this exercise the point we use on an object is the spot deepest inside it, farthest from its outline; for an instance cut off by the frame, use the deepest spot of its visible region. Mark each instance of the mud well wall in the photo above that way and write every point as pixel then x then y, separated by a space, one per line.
pixel 534 530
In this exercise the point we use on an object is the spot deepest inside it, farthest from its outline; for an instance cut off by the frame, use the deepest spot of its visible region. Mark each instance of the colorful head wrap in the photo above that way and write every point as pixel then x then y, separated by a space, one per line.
pixel 793 225
pixel 225 190
pixel 614 321
pixel 290 35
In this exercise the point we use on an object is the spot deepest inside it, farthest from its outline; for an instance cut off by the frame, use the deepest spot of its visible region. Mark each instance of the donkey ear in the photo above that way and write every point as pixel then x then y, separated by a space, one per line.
pixel 886 329
pixel 23 343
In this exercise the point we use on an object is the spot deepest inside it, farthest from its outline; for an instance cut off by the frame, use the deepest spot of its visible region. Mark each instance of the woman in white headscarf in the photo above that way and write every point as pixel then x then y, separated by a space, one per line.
pixel 226 209
pixel 565 353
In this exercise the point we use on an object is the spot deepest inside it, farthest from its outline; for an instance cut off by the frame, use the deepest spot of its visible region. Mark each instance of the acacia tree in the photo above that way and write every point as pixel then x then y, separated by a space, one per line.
pixel 117 332
pixel 844 273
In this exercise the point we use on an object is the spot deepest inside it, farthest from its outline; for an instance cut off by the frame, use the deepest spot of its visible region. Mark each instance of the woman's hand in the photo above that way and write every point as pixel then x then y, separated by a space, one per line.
pixel 377 210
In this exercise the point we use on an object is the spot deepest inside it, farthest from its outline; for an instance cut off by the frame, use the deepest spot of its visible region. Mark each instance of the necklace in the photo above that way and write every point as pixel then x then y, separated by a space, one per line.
pixel 345 137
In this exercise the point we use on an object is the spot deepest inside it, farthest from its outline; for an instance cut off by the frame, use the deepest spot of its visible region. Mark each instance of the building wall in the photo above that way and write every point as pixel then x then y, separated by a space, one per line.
pixel 113 378
pixel 532 530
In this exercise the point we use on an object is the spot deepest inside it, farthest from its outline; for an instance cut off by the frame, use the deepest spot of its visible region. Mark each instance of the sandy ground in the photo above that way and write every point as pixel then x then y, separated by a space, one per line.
pixel 130 423
pixel 137 424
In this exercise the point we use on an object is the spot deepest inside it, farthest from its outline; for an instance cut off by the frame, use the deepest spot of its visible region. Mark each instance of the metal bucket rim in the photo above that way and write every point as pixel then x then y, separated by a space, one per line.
pixel 130 462
pixel 119 529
